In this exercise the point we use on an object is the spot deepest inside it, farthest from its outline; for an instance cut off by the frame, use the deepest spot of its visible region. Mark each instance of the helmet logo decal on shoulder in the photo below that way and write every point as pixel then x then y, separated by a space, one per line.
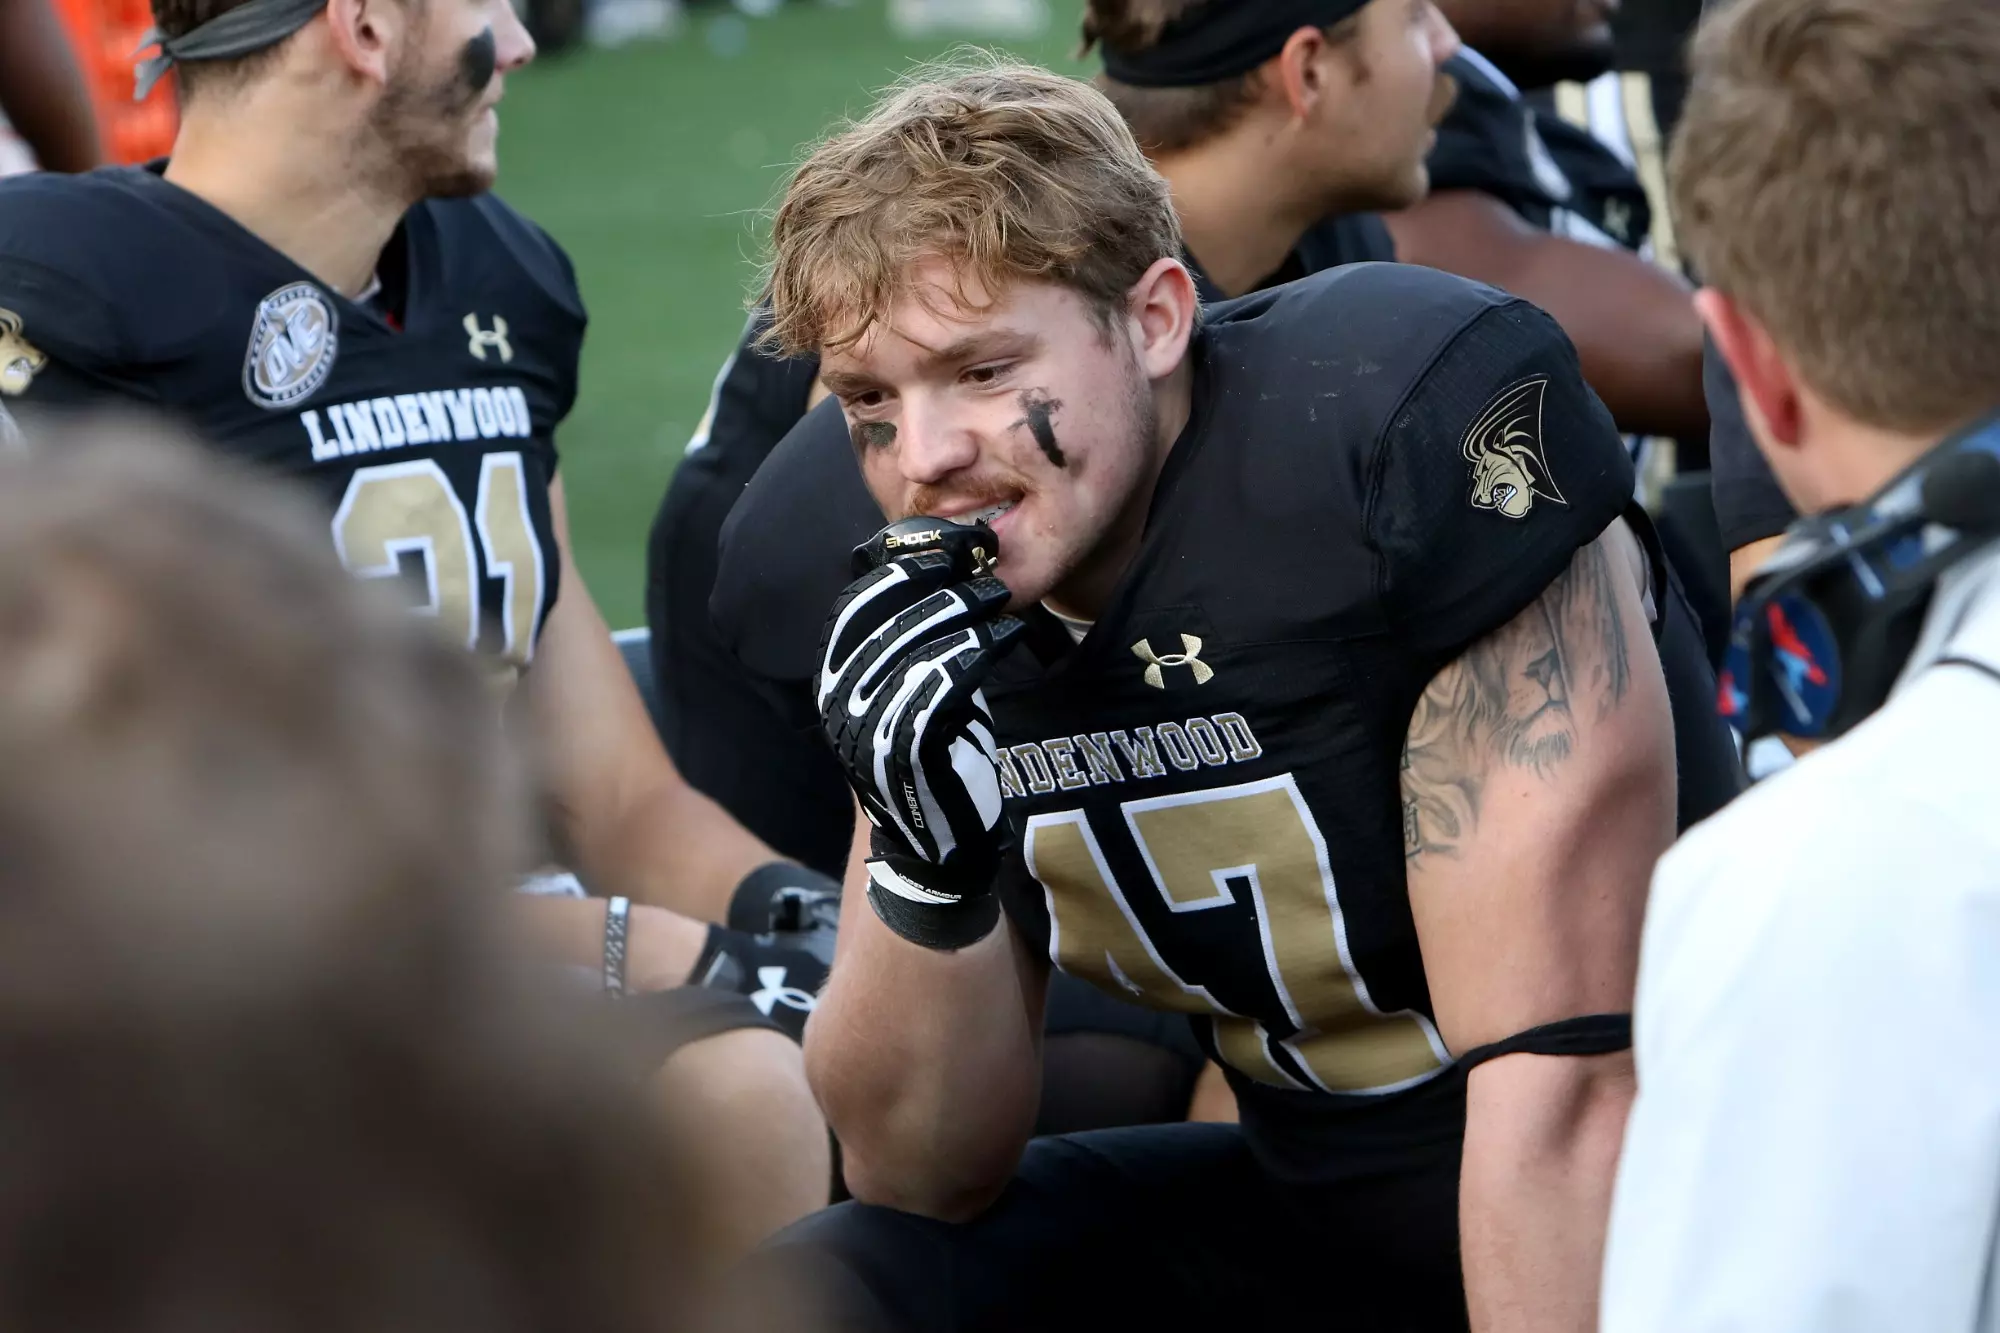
pixel 1510 467
pixel 293 343
pixel 20 360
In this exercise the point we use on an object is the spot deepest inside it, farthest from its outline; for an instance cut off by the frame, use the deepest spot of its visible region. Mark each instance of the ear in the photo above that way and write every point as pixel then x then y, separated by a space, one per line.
pixel 1162 306
pixel 1299 74
pixel 1770 389
pixel 367 33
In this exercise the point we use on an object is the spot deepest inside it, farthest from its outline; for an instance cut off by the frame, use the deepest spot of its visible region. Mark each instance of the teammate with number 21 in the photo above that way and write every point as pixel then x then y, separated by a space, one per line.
pixel 1294 663
pixel 319 283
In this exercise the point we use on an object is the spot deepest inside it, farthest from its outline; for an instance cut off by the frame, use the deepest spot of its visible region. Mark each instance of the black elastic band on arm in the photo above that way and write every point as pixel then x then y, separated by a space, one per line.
pixel 1593 1034
pixel 1220 40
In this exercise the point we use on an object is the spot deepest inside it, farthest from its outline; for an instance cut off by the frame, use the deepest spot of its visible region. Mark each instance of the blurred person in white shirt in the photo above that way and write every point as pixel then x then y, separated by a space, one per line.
pixel 1816 1142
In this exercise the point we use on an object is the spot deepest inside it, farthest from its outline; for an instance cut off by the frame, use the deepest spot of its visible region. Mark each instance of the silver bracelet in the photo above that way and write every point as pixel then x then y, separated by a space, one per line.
pixel 617 920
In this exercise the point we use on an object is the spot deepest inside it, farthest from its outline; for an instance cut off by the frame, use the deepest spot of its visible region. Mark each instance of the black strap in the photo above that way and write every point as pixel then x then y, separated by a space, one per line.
pixel 1221 39
pixel 1593 1034
pixel 1983 668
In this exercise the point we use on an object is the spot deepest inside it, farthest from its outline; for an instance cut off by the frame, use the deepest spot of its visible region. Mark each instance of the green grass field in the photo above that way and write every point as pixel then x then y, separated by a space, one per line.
pixel 652 164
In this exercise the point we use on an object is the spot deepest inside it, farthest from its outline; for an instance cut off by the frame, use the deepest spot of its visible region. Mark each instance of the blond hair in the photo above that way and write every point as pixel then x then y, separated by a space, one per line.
pixel 1006 171
pixel 1837 172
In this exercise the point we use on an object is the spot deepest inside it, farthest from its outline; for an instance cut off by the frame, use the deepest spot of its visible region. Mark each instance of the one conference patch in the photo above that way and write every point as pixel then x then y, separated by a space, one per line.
pixel 292 346
pixel 1509 465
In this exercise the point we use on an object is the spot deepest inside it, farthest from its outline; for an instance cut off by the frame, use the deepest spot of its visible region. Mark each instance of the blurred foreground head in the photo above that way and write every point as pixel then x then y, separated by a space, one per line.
pixel 267 1067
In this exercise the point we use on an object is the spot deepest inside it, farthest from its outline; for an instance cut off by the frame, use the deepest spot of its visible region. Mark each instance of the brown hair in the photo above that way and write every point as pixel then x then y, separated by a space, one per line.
pixel 1008 171
pixel 1837 171
pixel 1171 120
pixel 177 18
pixel 267 1066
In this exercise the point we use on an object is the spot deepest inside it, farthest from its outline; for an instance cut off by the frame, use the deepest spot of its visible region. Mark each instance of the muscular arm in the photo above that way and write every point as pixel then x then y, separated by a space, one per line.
pixel 41 89
pixel 1633 324
pixel 1538 789
pixel 928 1065
pixel 623 818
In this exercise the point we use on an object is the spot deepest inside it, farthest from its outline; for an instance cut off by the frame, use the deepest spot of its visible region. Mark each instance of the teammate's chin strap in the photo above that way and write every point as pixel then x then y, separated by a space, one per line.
pixel 252 26
pixel 1593 1034
pixel 1221 39
pixel 1828 624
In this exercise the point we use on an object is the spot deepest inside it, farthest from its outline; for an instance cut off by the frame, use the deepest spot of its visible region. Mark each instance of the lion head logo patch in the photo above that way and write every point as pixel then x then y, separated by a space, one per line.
pixel 1509 465
pixel 20 360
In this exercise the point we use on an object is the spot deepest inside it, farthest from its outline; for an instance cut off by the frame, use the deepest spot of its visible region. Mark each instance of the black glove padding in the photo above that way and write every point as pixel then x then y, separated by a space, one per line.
pixel 940 907
pixel 904 654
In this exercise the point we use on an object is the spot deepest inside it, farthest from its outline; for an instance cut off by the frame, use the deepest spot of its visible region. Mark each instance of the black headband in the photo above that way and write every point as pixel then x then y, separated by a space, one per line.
pixel 251 26
pixel 1221 39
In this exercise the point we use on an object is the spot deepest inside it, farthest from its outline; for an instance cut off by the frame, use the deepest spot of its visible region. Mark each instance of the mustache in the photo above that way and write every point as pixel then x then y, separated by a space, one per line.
pixel 925 500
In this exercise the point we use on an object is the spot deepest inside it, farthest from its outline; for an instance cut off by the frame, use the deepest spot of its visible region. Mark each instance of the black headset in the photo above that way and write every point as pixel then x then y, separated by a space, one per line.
pixel 1829 622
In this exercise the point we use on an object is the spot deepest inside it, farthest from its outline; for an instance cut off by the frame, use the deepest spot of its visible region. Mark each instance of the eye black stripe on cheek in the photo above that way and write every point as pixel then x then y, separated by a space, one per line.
pixel 874 434
pixel 1037 408
pixel 478 61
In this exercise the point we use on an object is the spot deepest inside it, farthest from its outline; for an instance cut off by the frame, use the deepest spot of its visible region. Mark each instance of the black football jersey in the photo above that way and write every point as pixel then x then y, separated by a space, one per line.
pixel 722 736
pixel 1205 791
pixel 428 434
pixel 1557 175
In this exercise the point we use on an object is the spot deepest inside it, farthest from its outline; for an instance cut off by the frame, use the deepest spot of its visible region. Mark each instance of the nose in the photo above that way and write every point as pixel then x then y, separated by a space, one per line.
pixel 930 446
pixel 1443 37
pixel 513 46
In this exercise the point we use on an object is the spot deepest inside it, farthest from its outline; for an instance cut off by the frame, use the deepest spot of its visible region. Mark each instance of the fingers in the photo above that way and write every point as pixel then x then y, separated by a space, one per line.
pixel 877 598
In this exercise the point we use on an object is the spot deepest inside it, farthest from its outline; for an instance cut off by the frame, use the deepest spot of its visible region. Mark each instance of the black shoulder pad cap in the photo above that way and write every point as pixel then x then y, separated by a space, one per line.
pixel 1482 142
pixel 99 274
pixel 785 548
pixel 535 250
pixel 1499 465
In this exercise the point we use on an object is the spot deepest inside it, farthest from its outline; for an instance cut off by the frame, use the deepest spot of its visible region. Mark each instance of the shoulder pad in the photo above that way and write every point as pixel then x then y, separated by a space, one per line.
pixel 1488 141
pixel 97 273
pixel 784 552
pixel 472 225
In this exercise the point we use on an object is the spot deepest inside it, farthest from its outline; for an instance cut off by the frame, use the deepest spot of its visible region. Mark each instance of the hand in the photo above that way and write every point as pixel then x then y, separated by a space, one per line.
pixel 904 654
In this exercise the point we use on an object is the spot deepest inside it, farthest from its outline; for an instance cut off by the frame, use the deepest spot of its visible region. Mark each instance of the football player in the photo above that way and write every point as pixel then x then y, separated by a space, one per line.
pixel 317 281
pixel 1523 199
pixel 1276 145
pixel 1277 127
pixel 1305 668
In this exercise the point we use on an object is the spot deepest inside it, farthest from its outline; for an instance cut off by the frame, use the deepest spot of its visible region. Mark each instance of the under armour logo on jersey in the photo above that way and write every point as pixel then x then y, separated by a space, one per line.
pixel 1189 656
pixel 1618 219
pixel 775 992
pixel 478 339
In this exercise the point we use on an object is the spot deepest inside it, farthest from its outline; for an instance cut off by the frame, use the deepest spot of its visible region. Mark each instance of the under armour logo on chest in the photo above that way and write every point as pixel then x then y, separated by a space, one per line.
pixel 775 992
pixel 479 340
pixel 1189 656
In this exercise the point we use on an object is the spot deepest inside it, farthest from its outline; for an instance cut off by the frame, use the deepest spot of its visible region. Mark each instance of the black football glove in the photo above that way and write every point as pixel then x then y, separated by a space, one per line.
pixel 904 654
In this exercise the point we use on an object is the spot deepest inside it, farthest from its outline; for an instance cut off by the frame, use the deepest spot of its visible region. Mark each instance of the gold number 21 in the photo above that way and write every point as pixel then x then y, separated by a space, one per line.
pixel 1202 848
pixel 401 509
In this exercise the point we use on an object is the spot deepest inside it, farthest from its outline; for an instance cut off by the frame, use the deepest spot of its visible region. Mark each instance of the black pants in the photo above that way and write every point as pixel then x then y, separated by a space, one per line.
pixel 1162 1227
